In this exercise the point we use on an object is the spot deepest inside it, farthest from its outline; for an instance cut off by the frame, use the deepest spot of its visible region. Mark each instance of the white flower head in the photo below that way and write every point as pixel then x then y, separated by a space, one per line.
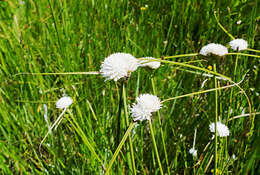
pixel 233 156
pixel 146 104
pixel 45 107
pixel 139 114
pixel 64 102
pixel 239 22
pixel 222 130
pixel 193 152
pixel 238 44
pixel 151 64
pixel 212 48
pixel 118 65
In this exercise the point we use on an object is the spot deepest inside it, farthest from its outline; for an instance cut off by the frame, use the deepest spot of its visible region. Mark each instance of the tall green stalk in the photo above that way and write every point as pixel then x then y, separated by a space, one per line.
pixel 161 130
pixel 231 95
pixel 216 119
pixel 120 146
pixel 119 111
pixel 127 123
pixel 155 147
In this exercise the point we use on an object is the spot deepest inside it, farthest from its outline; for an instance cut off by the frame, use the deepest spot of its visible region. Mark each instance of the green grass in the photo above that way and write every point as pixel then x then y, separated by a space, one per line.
pixel 47 36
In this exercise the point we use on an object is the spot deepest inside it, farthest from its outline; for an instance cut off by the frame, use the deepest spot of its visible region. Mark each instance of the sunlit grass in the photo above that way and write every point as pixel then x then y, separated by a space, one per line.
pixel 50 48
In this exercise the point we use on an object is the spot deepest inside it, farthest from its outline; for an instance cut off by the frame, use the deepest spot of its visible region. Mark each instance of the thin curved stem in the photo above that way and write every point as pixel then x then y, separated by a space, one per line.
pixel 216 120
pixel 192 67
pixel 231 94
pixel 155 147
pixel 214 73
pixel 194 138
pixel 253 50
pixel 119 112
pixel 203 74
pixel 231 36
pixel 182 55
pixel 244 115
pixel 161 130
pixel 60 73
pixel 243 54
pixel 130 138
pixel 201 92
pixel 49 130
pixel 119 147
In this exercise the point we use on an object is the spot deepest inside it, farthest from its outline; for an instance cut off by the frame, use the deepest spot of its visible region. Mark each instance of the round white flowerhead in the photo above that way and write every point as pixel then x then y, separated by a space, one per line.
pixel 193 152
pixel 146 104
pixel 222 130
pixel 64 102
pixel 148 63
pixel 139 114
pixel 212 48
pixel 118 65
pixel 238 44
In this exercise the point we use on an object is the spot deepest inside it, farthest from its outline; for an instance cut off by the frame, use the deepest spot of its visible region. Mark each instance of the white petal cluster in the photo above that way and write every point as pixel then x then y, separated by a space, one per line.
pixel 193 152
pixel 146 104
pixel 222 130
pixel 64 102
pixel 118 65
pixel 148 63
pixel 238 44
pixel 212 48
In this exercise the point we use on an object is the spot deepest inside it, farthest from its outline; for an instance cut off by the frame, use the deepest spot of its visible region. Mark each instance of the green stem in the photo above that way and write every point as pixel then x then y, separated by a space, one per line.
pixel 243 115
pixel 243 54
pixel 161 130
pixel 60 73
pixel 194 138
pixel 223 27
pixel 231 95
pixel 235 70
pixel 119 112
pixel 119 147
pixel 216 119
pixel 155 147
pixel 253 50
pixel 182 55
pixel 127 123
pixel 214 73
pixel 199 92
pixel 50 129
pixel 192 67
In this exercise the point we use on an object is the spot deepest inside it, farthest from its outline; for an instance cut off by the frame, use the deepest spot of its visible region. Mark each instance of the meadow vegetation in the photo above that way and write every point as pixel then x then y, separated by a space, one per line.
pixel 54 48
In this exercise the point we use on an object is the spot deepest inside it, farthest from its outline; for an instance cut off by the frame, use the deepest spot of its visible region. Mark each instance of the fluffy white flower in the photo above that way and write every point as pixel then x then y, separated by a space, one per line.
pixel 146 104
pixel 233 156
pixel 222 130
pixel 151 64
pixel 45 107
pixel 64 102
pixel 139 114
pixel 149 102
pixel 193 152
pixel 118 65
pixel 212 48
pixel 238 44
